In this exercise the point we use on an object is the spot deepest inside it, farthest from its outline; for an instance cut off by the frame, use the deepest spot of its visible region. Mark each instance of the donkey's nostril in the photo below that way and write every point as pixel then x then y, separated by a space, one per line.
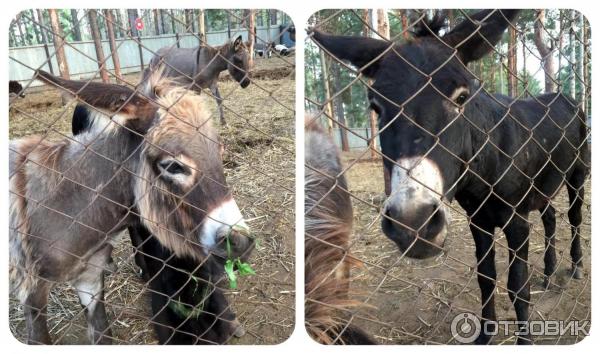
pixel 393 211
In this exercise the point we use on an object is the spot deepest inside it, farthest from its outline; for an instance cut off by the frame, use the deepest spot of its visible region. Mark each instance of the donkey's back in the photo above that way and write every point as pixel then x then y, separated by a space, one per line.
pixel 328 218
pixel 533 132
pixel 180 63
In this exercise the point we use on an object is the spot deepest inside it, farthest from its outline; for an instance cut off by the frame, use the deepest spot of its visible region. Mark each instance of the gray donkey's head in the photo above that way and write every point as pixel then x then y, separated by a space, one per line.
pixel 179 184
pixel 238 61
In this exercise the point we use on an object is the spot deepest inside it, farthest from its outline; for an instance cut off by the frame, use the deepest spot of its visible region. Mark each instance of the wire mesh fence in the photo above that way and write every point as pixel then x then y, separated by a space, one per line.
pixel 471 206
pixel 137 215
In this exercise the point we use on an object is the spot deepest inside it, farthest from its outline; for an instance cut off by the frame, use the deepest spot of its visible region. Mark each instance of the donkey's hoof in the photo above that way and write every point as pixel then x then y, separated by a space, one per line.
pixel 577 273
pixel 239 329
pixel 546 283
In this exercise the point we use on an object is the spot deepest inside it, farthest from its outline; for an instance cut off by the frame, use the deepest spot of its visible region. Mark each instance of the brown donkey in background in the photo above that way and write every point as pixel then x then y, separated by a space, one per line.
pixel 154 159
pixel 199 68
pixel 328 228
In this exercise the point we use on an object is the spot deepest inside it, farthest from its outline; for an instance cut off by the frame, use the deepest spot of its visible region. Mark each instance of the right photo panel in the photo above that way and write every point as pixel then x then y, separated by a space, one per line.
pixel 447 176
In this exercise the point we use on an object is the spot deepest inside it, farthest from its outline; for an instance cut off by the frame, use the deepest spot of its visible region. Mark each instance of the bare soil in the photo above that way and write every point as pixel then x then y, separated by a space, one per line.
pixel 414 302
pixel 259 165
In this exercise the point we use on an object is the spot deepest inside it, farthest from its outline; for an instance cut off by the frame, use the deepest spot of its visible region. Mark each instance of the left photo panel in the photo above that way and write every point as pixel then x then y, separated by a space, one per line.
pixel 151 177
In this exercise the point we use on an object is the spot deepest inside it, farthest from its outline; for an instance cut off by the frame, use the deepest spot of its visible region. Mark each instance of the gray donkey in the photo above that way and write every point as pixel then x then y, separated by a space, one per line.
pixel 199 67
pixel 141 162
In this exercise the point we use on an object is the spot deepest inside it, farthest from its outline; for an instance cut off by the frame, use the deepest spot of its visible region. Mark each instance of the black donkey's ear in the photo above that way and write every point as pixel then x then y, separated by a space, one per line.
pixel 476 36
pixel 360 52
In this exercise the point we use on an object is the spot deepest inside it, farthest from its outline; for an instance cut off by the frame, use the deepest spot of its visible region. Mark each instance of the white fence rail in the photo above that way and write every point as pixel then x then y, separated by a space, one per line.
pixel 358 138
pixel 81 56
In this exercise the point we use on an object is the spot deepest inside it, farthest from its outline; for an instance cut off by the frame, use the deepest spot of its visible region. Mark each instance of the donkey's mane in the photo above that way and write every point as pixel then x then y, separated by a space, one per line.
pixel 180 104
pixel 429 27
pixel 326 243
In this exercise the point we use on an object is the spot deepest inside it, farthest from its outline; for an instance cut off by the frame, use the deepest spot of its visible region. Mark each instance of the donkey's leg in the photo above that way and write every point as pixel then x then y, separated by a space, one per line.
pixel 225 316
pixel 517 236
pixel 483 234
pixel 90 288
pixel 576 195
pixel 35 313
pixel 138 235
pixel 549 220
pixel 214 89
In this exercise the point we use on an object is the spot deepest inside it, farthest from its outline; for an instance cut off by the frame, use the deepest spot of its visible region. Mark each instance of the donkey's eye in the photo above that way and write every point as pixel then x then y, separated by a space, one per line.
pixel 461 99
pixel 172 167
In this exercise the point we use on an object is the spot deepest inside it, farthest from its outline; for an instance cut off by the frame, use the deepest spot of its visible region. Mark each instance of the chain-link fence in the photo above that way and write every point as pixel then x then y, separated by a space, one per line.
pixel 137 215
pixel 470 221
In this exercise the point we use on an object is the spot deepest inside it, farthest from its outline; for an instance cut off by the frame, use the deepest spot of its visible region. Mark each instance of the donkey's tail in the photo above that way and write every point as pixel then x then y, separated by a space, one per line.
pixel 328 227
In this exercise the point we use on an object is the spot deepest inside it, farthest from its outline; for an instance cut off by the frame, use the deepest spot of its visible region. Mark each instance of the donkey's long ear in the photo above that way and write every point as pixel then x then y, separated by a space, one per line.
pixel 476 36
pixel 107 97
pixel 358 51
pixel 237 43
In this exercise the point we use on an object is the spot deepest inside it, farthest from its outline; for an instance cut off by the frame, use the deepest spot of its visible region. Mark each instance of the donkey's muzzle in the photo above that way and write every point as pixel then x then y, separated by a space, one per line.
pixel 235 242
pixel 245 82
pixel 418 231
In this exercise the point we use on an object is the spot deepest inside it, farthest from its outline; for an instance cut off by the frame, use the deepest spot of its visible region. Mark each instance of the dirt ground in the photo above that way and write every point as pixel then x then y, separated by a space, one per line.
pixel 414 302
pixel 259 166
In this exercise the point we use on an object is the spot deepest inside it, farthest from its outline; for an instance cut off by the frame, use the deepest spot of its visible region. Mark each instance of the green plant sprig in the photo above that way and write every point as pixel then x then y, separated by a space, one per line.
pixel 243 268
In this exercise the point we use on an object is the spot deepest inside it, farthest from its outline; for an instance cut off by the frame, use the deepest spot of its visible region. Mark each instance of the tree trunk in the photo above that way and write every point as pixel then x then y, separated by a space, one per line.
pixel 93 17
pixel 156 24
pixel 586 66
pixel 492 81
pixel 545 51
pixel 192 27
pixel 36 30
pixel 21 36
pixel 525 73
pixel 450 16
pixel 173 27
pixel 59 45
pixel 366 22
pixel 228 25
pixel 571 67
pixel 383 29
pixel 561 24
pixel 268 27
pixel 339 108
pixel 40 20
pixel 512 62
pixel 188 20
pixel 251 35
pixel 120 25
pixel 327 90
pixel 383 23
pixel 162 21
pixel 113 45
pixel 580 93
pixel 75 23
pixel 201 27
pixel 404 20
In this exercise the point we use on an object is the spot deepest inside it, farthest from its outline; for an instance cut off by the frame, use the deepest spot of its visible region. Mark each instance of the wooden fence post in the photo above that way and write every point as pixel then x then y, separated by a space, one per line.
pixel 201 27
pixel 59 45
pixel 93 17
pixel 112 43
pixel 44 39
